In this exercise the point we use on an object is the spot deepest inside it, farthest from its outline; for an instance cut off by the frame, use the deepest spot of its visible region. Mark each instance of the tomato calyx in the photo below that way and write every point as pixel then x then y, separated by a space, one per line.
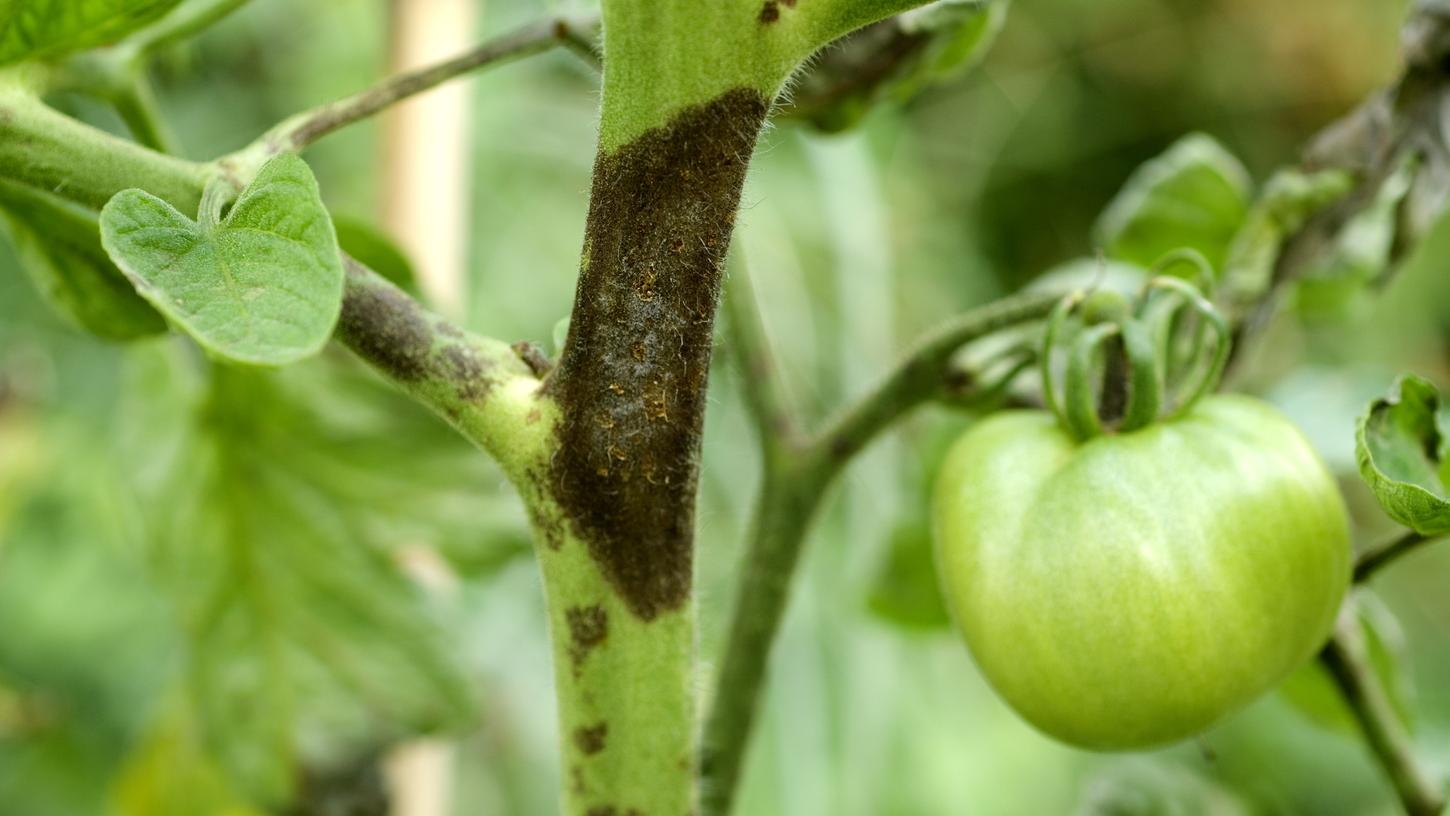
pixel 1168 347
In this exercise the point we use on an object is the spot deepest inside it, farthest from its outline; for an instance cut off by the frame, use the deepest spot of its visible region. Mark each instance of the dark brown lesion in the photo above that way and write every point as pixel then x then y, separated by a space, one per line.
pixel 588 629
pixel 590 739
pixel 393 333
pixel 631 383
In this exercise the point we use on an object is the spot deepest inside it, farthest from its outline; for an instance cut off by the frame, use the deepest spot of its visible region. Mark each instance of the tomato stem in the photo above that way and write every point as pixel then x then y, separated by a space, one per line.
pixel 1347 659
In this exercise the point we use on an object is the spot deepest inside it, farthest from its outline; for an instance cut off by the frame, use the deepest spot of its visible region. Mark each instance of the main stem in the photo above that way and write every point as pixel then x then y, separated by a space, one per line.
pixel 615 500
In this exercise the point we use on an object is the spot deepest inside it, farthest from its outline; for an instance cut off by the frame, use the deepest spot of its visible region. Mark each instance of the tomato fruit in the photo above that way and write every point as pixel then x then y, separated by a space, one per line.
pixel 1131 590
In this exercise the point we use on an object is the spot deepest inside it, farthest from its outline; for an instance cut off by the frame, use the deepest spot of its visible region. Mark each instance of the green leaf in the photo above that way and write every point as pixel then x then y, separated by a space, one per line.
pixel 961 33
pixel 45 29
pixel 1312 691
pixel 1288 200
pixel 1400 445
pixel 375 250
pixel 904 590
pixel 84 640
pixel 272 516
pixel 59 246
pixel 262 286
pixel 168 774
pixel 1360 253
pixel 896 59
pixel 1195 195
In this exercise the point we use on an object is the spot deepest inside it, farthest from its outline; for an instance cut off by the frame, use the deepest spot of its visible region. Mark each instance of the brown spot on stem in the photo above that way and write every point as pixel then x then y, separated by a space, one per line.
pixel 390 331
pixel 385 327
pixel 770 12
pixel 640 341
pixel 463 366
pixel 588 628
pixel 590 739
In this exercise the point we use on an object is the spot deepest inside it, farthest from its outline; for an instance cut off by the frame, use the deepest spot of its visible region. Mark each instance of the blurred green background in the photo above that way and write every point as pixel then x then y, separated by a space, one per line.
pixel 135 481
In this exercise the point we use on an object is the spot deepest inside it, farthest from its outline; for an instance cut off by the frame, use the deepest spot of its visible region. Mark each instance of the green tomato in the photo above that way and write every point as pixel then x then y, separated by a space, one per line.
pixel 1131 590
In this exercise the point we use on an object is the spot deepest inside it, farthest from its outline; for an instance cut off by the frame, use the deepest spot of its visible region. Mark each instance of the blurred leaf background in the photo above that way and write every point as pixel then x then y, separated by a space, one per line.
pixel 222 587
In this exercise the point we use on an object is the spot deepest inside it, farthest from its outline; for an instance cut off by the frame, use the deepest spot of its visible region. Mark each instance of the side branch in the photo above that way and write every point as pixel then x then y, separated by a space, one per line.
pixel 1346 658
pixel 1382 555
pixel 481 385
pixel 794 485
pixel 307 127
pixel 919 378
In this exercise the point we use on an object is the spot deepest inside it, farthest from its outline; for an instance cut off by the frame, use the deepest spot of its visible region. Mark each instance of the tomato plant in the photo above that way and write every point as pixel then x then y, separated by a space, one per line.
pixel 262 477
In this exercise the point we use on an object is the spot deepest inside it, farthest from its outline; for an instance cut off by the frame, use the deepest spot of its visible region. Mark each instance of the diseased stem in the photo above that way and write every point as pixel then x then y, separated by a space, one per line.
pixel 1382 555
pixel 796 478
pixel 307 127
pixel 479 384
pixel 1347 659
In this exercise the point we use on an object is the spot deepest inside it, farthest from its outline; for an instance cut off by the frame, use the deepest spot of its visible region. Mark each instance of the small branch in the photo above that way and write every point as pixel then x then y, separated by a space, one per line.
pixel 1382 555
pixel 775 422
pixel 305 128
pixel 581 36
pixel 919 377
pixel 43 148
pixel 790 496
pixel 1347 659
pixel 470 381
